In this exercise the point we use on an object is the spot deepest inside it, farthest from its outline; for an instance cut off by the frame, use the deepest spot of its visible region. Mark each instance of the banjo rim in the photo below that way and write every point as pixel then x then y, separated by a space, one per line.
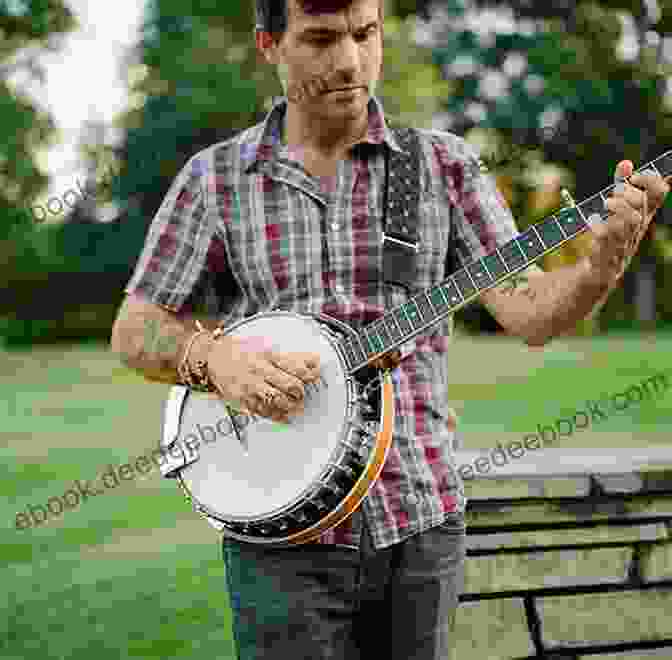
pixel 368 472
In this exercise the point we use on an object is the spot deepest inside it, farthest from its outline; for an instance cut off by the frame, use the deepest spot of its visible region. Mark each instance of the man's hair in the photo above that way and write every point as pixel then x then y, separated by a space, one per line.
pixel 272 15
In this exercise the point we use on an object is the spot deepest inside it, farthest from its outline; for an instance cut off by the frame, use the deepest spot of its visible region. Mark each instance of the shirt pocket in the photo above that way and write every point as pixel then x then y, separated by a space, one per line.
pixel 289 243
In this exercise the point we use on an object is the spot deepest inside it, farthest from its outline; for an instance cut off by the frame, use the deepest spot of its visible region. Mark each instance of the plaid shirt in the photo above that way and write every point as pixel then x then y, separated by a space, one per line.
pixel 244 230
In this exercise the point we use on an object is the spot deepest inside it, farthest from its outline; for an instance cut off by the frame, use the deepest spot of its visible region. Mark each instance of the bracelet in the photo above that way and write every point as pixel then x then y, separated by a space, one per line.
pixel 184 369
pixel 198 378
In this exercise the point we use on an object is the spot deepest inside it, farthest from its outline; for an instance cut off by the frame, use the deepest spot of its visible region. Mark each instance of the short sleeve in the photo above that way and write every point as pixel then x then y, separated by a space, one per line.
pixel 481 220
pixel 174 267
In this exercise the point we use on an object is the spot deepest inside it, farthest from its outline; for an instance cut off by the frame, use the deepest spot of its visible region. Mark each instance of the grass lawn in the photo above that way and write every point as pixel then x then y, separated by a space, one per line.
pixel 134 573
pixel 500 387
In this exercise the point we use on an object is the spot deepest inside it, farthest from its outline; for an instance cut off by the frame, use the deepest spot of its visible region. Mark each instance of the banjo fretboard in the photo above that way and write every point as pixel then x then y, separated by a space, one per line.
pixel 426 309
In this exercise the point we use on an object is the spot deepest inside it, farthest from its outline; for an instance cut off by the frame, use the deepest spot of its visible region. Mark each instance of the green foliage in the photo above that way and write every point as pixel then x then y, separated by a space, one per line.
pixel 23 127
pixel 24 28
pixel 574 59
pixel 198 82
pixel 574 104
pixel 412 89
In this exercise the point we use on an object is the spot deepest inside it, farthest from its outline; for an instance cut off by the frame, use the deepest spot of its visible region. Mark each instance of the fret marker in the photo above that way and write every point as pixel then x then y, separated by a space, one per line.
pixel 594 219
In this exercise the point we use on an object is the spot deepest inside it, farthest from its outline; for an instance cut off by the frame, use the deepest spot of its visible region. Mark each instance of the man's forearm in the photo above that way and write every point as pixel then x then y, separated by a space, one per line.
pixel 155 346
pixel 562 298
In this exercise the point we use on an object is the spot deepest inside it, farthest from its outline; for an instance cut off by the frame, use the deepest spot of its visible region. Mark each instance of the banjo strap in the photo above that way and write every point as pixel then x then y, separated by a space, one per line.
pixel 401 212
pixel 401 206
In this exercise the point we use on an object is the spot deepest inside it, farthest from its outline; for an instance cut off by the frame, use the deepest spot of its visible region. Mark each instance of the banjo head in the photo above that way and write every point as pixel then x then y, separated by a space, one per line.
pixel 249 467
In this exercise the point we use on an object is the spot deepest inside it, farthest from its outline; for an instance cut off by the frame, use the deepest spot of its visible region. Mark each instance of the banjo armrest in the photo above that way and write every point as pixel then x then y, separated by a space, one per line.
pixel 174 455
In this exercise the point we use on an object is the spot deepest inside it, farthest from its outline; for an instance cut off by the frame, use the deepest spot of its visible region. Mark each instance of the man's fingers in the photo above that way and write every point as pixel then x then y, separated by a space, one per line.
pixel 624 169
pixel 305 367
pixel 656 186
pixel 629 219
pixel 635 197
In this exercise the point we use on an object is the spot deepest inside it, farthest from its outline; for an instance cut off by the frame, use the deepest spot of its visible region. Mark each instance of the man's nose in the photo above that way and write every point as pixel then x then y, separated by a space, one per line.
pixel 347 58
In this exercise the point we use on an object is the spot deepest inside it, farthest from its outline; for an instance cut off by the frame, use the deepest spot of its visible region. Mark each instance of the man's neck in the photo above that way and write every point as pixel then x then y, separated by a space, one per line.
pixel 329 140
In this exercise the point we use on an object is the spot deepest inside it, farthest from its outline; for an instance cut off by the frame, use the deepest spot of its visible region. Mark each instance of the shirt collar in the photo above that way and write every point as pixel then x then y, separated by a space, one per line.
pixel 263 147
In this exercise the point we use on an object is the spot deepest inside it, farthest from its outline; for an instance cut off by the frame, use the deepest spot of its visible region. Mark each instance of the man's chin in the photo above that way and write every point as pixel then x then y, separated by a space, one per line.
pixel 344 106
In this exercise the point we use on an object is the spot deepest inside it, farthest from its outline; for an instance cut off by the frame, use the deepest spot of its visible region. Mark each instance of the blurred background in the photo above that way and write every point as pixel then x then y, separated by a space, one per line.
pixel 114 99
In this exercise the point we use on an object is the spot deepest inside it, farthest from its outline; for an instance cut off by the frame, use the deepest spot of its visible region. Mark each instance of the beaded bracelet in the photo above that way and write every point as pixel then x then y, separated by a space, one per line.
pixel 198 378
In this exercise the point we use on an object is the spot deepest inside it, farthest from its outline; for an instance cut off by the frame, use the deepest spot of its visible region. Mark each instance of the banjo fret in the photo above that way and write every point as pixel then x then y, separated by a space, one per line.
pixel 360 347
pixel 439 300
pixel 432 308
pixel 452 293
pixel 381 329
pixel 368 345
pixel 402 320
pixel 479 273
pixel 425 311
pixel 464 284
pixel 496 265
pixel 413 314
pixel 393 327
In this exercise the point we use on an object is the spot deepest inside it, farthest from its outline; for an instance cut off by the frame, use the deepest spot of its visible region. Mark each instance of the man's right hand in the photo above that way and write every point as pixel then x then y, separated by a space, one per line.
pixel 246 369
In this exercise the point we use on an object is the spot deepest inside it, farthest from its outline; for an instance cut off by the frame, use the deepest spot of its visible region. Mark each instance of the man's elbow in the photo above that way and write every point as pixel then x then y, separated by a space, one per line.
pixel 531 339
pixel 526 336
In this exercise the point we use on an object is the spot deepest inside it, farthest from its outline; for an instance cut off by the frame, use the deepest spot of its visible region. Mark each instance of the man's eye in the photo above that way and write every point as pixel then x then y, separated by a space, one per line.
pixel 363 36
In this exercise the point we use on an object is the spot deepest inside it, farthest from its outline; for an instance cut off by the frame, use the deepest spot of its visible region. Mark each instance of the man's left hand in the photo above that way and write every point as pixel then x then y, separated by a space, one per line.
pixel 632 206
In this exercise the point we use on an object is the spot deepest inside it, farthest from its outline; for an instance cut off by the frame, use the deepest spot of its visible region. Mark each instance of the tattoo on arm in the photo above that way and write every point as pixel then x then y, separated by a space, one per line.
pixel 147 340
pixel 520 283
pixel 154 343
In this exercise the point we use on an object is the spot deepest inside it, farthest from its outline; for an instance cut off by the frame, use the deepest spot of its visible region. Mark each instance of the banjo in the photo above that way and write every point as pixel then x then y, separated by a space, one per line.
pixel 282 485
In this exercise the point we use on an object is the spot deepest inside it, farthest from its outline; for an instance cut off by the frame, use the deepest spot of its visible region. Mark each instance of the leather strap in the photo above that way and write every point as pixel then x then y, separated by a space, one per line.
pixel 401 240
pixel 401 205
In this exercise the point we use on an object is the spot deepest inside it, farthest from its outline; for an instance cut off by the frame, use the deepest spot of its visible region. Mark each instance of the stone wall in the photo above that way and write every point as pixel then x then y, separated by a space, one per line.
pixel 530 513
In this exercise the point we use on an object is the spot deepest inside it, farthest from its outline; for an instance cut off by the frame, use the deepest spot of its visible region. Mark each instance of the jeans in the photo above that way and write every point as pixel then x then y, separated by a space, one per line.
pixel 315 602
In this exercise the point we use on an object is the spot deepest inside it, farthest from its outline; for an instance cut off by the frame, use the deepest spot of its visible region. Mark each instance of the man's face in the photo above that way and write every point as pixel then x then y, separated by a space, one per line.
pixel 329 64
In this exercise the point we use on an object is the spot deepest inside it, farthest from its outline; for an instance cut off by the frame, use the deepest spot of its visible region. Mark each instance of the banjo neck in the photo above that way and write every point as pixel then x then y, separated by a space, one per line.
pixel 431 306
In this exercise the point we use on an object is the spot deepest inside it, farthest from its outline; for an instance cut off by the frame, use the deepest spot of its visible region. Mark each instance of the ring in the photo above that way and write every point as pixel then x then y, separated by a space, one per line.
pixel 268 398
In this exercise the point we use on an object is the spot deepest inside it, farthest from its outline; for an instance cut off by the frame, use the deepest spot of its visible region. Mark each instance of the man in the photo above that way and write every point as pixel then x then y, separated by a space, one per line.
pixel 286 215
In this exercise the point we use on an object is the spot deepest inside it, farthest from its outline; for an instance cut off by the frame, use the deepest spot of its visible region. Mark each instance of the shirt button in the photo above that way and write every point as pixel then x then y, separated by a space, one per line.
pixel 411 499
pixel 340 288
pixel 335 226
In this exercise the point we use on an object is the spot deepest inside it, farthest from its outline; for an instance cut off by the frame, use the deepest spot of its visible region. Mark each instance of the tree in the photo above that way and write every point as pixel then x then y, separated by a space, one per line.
pixel 195 80
pixel 27 30
pixel 25 33
pixel 550 86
